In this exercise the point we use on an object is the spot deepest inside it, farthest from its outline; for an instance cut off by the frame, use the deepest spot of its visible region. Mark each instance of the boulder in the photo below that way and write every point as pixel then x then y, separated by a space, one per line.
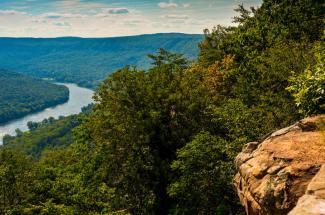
pixel 276 171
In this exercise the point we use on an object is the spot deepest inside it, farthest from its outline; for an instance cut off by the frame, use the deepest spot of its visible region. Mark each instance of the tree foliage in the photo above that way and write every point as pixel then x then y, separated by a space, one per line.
pixel 163 140
pixel 204 170
pixel 308 87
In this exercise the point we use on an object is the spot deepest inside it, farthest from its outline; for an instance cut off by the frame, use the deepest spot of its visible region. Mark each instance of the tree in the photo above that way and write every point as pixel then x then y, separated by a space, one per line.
pixel 308 88
pixel 19 133
pixel 32 125
pixel 164 57
pixel 162 141
pixel 16 180
pixel 140 120
pixel 216 45
pixel 205 169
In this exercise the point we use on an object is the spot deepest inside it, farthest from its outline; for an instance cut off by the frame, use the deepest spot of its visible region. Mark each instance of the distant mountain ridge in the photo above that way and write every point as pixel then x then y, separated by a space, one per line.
pixel 86 61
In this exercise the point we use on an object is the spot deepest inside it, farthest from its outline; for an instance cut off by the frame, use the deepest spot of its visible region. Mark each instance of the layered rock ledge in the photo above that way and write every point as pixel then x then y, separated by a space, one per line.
pixel 275 172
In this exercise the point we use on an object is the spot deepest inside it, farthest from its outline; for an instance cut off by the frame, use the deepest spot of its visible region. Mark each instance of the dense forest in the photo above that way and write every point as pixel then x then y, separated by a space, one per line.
pixel 21 95
pixel 86 61
pixel 46 134
pixel 163 140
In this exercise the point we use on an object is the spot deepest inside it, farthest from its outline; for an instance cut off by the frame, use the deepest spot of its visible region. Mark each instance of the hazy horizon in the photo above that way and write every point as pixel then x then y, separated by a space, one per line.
pixel 80 37
pixel 112 18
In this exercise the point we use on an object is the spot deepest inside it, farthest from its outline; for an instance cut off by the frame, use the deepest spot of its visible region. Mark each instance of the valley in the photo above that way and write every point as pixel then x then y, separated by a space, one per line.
pixel 87 61
pixel 226 123
pixel 79 97
pixel 83 61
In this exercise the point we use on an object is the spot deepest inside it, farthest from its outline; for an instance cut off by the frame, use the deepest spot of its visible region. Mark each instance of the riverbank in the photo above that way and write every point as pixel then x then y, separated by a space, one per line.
pixel 79 97
pixel 33 110
pixel 21 95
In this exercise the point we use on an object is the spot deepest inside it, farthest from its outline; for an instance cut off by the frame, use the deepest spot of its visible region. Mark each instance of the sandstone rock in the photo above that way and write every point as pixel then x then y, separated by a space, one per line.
pixel 313 202
pixel 317 186
pixel 275 172
pixel 309 205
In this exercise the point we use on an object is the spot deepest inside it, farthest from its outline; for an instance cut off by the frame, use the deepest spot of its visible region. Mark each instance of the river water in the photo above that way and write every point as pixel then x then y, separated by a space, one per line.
pixel 78 98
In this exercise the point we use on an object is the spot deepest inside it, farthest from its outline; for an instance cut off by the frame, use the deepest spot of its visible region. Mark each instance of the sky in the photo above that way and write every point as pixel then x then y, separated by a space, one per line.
pixel 110 18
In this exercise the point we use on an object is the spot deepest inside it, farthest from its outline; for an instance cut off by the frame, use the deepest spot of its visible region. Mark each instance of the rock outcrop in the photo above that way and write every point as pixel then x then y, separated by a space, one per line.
pixel 313 202
pixel 275 172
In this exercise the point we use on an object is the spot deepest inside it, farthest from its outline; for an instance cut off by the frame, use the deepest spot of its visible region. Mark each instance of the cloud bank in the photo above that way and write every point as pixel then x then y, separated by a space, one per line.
pixel 98 18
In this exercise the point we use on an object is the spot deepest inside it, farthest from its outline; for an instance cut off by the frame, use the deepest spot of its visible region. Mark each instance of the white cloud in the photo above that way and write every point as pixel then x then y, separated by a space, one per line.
pixel 91 19
pixel 77 5
pixel 62 24
pixel 99 18
pixel 11 12
pixel 167 5
pixel 186 5
pixel 62 15
pixel 116 10
pixel 110 12
pixel 15 24
pixel 93 25
pixel 176 16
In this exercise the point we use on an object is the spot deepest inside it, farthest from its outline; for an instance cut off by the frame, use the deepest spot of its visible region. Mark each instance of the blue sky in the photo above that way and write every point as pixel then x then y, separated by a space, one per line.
pixel 107 18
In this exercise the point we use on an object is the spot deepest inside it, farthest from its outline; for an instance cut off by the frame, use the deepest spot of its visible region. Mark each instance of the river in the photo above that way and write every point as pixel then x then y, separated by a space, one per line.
pixel 78 98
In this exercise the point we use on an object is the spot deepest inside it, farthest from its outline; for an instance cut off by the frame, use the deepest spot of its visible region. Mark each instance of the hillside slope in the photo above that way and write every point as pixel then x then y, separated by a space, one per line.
pixel 21 95
pixel 87 60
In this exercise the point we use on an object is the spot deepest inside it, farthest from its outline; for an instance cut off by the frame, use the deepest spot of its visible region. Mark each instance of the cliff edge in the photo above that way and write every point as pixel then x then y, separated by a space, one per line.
pixel 275 173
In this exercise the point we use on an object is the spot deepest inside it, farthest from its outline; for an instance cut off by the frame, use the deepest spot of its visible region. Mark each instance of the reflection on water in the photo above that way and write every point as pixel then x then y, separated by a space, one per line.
pixel 79 97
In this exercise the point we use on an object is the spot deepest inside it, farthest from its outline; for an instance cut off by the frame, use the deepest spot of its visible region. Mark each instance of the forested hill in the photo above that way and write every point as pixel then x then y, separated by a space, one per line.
pixel 86 61
pixel 21 95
